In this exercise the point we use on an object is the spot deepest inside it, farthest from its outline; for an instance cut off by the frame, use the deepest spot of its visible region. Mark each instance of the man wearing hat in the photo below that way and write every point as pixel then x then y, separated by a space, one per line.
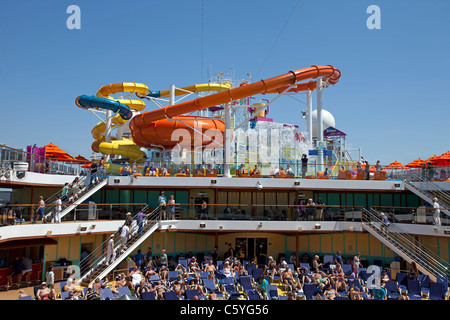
pixel 162 200
pixel 128 219
pixel 110 253
pixel 436 212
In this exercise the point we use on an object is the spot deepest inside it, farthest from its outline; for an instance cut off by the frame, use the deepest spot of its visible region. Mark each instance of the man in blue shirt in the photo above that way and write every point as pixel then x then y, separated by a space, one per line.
pixel 140 221
pixel 338 258
pixel 137 258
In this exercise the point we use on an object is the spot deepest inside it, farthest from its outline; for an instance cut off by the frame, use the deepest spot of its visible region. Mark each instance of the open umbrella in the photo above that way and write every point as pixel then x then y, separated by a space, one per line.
pixel 395 165
pixel 442 160
pixel 416 163
pixel 53 152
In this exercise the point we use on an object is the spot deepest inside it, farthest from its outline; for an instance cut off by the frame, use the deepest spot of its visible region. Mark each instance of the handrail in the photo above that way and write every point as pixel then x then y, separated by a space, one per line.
pixel 426 258
pixel 70 193
pixel 134 227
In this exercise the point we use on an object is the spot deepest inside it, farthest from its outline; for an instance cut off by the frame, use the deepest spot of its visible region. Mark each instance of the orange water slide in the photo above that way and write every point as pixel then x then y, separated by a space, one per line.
pixel 142 127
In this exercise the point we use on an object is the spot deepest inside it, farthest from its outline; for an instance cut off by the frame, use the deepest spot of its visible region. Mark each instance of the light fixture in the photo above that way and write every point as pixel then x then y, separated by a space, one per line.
pixel 303 114
pixel 299 228
pixel 447 231
pixel 220 227
pixel 260 225
pixel 350 228
pixel 92 227
pixel 116 180
pixel 296 183
pixel 259 186
pixel 317 226
pixel 397 185
pixel 213 181
pixel 202 225
pixel 49 233
pixel 436 229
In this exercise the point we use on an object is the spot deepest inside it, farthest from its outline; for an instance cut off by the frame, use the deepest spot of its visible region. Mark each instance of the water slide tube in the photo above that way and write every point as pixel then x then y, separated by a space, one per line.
pixel 142 128
pixel 103 100
pixel 219 87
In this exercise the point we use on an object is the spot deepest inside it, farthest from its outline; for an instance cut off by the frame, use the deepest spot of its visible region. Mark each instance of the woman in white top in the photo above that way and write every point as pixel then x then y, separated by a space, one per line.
pixel 227 270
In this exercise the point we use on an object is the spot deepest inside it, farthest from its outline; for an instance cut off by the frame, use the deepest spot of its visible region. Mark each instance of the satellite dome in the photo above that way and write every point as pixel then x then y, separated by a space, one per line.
pixel 327 120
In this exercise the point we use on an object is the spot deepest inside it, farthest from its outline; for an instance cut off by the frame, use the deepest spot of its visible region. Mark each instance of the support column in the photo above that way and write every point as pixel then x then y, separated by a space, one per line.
pixel 227 141
pixel 319 125
pixel 309 116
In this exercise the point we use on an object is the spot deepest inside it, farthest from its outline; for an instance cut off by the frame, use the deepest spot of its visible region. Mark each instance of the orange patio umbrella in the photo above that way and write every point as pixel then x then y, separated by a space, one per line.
pixel 442 160
pixel 395 165
pixel 53 152
pixel 416 163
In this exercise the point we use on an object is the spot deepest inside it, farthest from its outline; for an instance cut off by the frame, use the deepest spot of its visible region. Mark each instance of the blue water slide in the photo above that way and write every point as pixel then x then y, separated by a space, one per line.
pixel 87 102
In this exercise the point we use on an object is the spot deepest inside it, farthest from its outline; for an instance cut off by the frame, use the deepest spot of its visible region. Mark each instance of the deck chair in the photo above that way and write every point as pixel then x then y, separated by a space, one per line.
pixel 309 289
pixel 211 287
pixel 190 294
pixel 124 291
pixel 184 263
pixel 306 266
pixel 272 292
pixel 392 289
pixel 173 275
pixel 246 283
pixel 203 275
pixel 424 281
pixel 256 274
pixel 253 295
pixel 170 295
pixel 25 298
pixel 61 285
pixel 229 287
pixel 155 278
pixel 148 295
pixel 437 291
pixel 64 295
pixel 106 294
pixel 347 270
pixel 414 292
pixel 402 278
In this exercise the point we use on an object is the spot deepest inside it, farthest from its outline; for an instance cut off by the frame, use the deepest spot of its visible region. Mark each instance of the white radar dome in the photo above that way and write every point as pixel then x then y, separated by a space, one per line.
pixel 327 120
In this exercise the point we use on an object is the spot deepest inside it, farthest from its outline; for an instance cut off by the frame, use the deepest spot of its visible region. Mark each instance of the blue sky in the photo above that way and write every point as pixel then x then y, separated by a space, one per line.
pixel 392 98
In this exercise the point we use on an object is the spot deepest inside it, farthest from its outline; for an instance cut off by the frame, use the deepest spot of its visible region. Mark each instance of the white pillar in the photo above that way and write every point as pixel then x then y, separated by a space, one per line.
pixel 227 141
pixel 319 125
pixel 309 116
pixel 172 94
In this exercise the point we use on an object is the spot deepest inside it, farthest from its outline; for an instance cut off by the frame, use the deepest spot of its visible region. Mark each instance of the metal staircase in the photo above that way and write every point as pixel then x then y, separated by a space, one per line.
pixel 94 265
pixel 428 190
pixel 406 246
pixel 86 190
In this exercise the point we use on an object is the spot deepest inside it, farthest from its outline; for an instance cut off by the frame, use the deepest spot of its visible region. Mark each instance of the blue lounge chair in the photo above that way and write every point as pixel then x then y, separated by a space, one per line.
pixel 272 292
pixel 106 294
pixel 190 294
pixel 124 291
pixel 148 295
pixel 211 287
pixel 170 295
pixel 437 291
pixel 25 298
pixel 414 292
pixel 392 289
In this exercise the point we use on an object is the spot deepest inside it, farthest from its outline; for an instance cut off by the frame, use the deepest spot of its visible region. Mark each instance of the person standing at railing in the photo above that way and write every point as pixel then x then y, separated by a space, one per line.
pixel 162 200
pixel 319 211
pixel 58 208
pixel 436 212
pixel 64 193
pixel 171 207
pixel 367 170
pixel 101 167
pixel 304 165
pixel 378 166
pixel 310 210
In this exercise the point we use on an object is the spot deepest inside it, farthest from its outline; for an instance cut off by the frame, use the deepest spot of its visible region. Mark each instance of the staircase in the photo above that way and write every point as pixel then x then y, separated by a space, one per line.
pixel 94 265
pixel 86 190
pixel 406 246
pixel 428 190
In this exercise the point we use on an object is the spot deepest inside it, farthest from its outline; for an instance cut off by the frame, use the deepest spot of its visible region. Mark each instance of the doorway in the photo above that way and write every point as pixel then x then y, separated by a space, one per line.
pixel 248 248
